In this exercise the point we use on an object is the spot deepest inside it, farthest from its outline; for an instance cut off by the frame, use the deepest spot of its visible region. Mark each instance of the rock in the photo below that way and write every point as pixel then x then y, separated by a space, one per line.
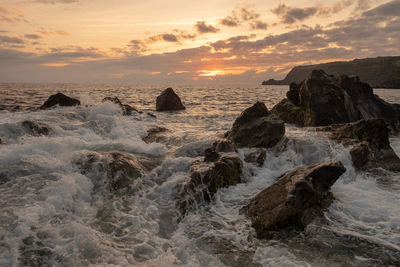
pixel 295 200
pixel 257 157
pixel 61 100
pixel 1 142
pixel 155 135
pixel 256 127
pixel 122 169
pixel 36 128
pixel 168 100
pixel 206 179
pixel 127 110
pixel 371 144
pixel 210 155
pixel 323 99
pixel 224 145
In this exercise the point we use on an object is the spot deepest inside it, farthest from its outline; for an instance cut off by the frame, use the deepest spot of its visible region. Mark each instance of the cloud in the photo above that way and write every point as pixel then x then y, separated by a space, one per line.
pixel 50 32
pixel 10 40
pixel 167 37
pixel 258 25
pixel 290 15
pixel 12 15
pixel 33 36
pixel 203 28
pixel 244 13
pixel 56 1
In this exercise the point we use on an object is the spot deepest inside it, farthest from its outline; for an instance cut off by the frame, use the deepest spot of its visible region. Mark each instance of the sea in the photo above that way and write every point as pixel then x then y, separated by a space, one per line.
pixel 52 214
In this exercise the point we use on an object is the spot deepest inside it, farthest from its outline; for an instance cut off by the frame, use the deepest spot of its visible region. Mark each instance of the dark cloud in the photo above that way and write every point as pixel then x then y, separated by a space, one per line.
pixel 33 36
pixel 167 37
pixel 258 25
pixel 229 21
pixel 10 40
pixel 203 28
pixel 290 15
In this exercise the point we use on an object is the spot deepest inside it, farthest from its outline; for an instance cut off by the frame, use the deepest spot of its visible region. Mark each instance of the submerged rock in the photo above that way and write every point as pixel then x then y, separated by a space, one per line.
pixel 122 169
pixel 295 200
pixel 61 100
pixel 155 134
pixel 257 157
pixel 36 128
pixel 371 144
pixel 256 127
pixel 206 179
pixel 323 99
pixel 127 110
pixel 168 100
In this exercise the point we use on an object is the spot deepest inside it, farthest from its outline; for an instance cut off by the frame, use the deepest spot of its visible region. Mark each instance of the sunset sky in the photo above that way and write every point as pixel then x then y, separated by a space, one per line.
pixel 181 41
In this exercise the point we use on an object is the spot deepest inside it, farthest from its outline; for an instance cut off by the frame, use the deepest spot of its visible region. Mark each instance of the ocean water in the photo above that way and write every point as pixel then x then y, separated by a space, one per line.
pixel 53 215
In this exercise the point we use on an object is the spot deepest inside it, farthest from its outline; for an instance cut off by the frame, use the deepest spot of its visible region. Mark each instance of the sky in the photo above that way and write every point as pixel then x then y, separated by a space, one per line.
pixel 185 42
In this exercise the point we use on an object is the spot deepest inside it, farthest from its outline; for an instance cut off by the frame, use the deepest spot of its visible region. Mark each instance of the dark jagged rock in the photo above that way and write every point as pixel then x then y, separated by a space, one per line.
pixel 257 157
pixel 61 100
pixel 323 99
pixel 256 127
pixel 155 134
pixel 224 145
pixel 371 144
pixel 36 128
pixel 295 200
pixel 206 179
pixel 380 72
pixel 168 100
pixel 1 142
pixel 127 110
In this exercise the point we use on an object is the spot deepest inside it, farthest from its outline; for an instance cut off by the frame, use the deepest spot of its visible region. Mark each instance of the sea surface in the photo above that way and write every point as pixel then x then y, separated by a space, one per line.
pixel 53 215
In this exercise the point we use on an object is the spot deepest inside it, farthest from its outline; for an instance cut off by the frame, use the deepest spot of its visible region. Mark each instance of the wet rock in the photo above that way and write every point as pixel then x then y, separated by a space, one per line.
pixel 323 99
pixel 36 128
pixel 168 100
pixel 122 169
pixel 257 157
pixel 224 145
pixel 61 100
pixel 210 155
pixel 256 127
pixel 371 144
pixel 155 135
pixel 127 110
pixel 1 142
pixel 206 179
pixel 295 200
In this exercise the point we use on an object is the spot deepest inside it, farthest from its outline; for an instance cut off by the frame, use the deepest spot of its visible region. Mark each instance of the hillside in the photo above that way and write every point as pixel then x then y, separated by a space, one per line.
pixel 380 72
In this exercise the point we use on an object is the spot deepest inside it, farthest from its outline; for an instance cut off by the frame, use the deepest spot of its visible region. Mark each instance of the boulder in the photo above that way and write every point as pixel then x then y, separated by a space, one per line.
pixel 370 140
pixel 36 128
pixel 257 157
pixel 168 100
pixel 294 200
pixel 206 179
pixel 256 127
pixel 224 145
pixel 61 100
pixel 323 99
pixel 127 110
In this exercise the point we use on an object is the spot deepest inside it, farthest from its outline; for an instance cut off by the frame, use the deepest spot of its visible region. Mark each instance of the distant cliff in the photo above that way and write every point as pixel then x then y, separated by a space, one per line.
pixel 380 72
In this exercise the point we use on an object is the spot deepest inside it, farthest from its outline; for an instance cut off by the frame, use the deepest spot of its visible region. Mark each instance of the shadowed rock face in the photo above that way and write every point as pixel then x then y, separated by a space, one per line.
pixel 323 100
pixel 257 157
pixel 295 200
pixel 127 110
pixel 256 127
pixel 168 100
pixel 61 100
pixel 207 178
pixel 371 144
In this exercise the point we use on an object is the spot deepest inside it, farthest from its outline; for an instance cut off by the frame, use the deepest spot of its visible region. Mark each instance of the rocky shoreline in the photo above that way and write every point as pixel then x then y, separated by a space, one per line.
pixel 342 106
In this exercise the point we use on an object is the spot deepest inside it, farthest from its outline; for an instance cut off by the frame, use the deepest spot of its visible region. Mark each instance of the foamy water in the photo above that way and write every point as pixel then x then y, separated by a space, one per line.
pixel 53 215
